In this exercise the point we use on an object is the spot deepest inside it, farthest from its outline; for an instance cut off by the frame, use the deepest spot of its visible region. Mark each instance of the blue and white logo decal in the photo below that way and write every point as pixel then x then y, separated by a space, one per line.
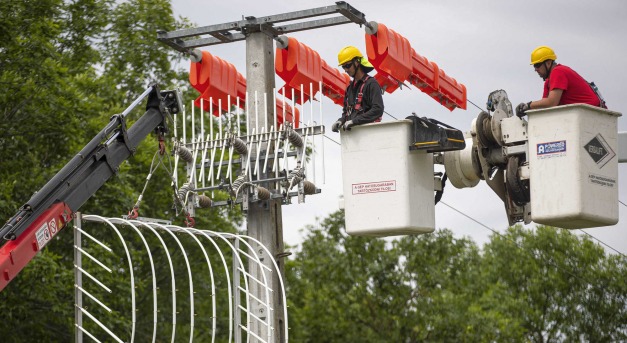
pixel 549 148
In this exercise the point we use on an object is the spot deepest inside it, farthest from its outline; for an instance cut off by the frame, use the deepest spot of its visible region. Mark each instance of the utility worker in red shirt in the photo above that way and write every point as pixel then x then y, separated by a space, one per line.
pixel 562 85
pixel 363 100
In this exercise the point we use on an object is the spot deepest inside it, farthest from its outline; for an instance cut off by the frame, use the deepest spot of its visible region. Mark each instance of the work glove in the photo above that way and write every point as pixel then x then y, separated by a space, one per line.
pixel 348 125
pixel 522 108
pixel 336 126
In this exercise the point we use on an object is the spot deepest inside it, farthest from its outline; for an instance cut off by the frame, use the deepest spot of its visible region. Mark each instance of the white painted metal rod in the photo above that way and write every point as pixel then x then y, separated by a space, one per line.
pixel 93 259
pixel 104 327
pixel 87 333
pixel 92 297
pixel 93 278
pixel 94 240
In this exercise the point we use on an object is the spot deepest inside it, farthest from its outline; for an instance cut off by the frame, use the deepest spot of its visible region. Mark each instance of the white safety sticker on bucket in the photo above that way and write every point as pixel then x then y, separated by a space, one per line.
pixel 374 187
pixel 551 149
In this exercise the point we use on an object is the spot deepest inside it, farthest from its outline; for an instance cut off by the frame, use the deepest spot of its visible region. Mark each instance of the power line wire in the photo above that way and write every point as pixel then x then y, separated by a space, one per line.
pixel 390 115
pixel 332 140
pixel 469 217
pixel 600 241
pixel 481 109
pixel 519 247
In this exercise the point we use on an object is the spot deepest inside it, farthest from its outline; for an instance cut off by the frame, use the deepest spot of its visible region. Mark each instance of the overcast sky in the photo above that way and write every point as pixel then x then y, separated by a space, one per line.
pixel 483 44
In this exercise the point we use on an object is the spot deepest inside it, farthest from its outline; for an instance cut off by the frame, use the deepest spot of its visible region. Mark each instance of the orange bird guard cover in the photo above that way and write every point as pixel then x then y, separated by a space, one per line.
pixel 218 81
pixel 302 68
pixel 396 61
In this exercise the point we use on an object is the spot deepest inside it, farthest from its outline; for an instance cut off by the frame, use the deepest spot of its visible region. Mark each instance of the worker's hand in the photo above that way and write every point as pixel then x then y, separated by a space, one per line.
pixel 348 125
pixel 522 108
pixel 336 126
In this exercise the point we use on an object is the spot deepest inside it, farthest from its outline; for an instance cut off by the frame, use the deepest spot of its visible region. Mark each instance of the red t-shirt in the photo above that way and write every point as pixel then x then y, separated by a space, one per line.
pixel 576 89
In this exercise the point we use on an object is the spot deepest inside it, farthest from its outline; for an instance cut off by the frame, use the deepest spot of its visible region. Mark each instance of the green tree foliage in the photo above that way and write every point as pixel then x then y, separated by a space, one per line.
pixel 558 287
pixel 66 66
pixel 542 285
pixel 43 98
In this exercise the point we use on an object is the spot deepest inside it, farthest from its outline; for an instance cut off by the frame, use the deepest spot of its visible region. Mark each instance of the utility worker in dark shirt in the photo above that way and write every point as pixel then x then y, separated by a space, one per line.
pixel 363 101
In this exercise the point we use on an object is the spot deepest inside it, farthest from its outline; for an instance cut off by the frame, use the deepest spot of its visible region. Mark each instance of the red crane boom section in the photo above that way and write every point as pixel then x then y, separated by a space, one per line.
pixel 16 254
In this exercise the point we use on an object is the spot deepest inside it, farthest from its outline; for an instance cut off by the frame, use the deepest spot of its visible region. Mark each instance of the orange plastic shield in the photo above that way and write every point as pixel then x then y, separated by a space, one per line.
pixel 219 82
pixel 396 62
pixel 302 68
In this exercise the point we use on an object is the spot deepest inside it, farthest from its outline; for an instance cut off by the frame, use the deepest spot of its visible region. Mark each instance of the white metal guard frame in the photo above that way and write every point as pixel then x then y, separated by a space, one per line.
pixel 242 248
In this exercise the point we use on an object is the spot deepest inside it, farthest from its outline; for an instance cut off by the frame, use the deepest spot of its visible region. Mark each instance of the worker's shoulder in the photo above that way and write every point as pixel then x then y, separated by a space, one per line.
pixel 563 68
pixel 370 81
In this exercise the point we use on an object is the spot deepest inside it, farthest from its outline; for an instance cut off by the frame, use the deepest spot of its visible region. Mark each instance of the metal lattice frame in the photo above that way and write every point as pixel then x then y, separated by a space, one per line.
pixel 99 292
pixel 209 142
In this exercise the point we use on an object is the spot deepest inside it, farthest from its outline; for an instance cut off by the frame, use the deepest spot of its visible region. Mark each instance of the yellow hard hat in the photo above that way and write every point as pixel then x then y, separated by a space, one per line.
pixel 348 53
pixel 541 54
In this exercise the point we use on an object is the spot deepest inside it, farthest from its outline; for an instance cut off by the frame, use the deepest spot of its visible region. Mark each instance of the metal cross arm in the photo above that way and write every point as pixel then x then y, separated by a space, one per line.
pixel 187 39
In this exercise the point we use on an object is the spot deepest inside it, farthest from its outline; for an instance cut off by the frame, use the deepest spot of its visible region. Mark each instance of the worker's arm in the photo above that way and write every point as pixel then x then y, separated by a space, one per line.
pixel 550 101
pixel 342 119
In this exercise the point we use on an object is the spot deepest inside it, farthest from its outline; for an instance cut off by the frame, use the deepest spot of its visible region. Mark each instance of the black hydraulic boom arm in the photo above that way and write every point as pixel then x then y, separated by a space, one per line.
pixel 78 180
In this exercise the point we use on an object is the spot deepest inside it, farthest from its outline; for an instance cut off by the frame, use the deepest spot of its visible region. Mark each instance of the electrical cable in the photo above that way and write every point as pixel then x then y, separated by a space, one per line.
pixel 480 109
pixel 332 140
pixel 471 218
pixel 518 246
pixel 600 241
pixel 390 115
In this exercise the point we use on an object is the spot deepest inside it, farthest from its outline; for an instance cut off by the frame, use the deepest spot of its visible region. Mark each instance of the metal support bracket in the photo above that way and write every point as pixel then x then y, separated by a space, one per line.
pixel 187 39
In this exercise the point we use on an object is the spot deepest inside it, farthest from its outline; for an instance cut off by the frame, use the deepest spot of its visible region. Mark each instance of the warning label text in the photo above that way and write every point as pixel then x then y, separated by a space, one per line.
pixel 601 180
pixel 374 187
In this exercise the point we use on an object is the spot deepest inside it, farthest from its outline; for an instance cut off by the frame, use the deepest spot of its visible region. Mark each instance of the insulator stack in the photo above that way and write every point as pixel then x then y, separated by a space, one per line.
pixel 237 184
pixel 218 80
pixel 204 201
pixel 309 187
pixel 240 146
pixel 300 66
pixel 184 190
pixel 262 193
pixel 295 138
pixel 184 154
pixel 296 176
pixel 396 61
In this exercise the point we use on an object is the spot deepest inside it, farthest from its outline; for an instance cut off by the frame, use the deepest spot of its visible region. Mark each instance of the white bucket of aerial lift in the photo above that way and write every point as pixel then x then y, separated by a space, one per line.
pixel 573 166
pixel 388 189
